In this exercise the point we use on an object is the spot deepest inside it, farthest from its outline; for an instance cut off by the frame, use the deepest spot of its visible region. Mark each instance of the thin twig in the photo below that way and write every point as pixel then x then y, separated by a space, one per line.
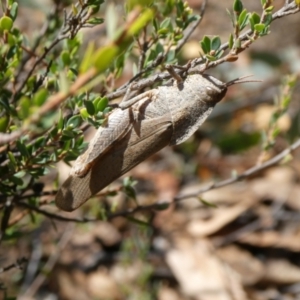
pixel 53 215
pixel 37 62
pixel 6 138
pixel 36 284
pixel 158 206
pixel 271 162
pixel 143 47
pixel 108 216
pixel 58 98
pixel 18 265
pixel 161 56
pixel 69 30
pixel 291 8
pixel 37 41
pixel 190 30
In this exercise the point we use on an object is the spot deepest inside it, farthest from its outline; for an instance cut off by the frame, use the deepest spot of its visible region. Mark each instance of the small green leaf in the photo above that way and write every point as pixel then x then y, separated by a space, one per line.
pixel 14 10
pixel 40 142
pixel 96 101
pixel 269 9
pixel 179 22
pixel 231 16
pixel 102 104
pixel 130 192
pixel 171 56
pixel 87 58
pixel 16 180
pixel 155 24
pixel 6 23
pixel 275 132
pixel 22 148
pixel 12 52
pixel 107 110
pixel 65 57
pixel 12 158
pixel 162 206
pixel 89 107
pixel 145 17
pixel 94 9
pixel 128 184
pixel 215 43
pixel 74 71
pixel 40 97
pixel 137 221
pixel 12 40
pixel 259 27
pixel 237 6
pixel 24 108
pixel 165 23
pixel 237 43
pixel 219 54
pixel 128 181
pixel 4 121
pixel 254 19
pixel 74 10
pixel 205 44
pixel 60 123
pixel 207 203
pixel 68 135
pixel 84 114
pixel 119 63
pixel 210 57
pixel 95 21
pixel 105 56
pixel 54 156
pixel 63 82
pixel 162 31
pixel 178 37
pixel 230 41
pixel 74 121
pixel 268 19
pixel 243 19
pixel 20 174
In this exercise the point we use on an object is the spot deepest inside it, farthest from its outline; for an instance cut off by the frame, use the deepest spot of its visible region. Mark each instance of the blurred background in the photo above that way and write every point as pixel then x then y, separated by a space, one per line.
pixel 238 242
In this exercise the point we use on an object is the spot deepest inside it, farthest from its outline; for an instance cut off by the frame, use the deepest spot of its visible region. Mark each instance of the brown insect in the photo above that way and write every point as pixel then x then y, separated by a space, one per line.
pixel 141 126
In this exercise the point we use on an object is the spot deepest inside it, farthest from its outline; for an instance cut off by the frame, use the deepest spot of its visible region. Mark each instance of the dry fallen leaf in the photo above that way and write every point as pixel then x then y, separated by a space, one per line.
pixel 101 285
pixel 290 241
pixel 201 274
pixel 220 218
pixel 243 262
pixel 280 271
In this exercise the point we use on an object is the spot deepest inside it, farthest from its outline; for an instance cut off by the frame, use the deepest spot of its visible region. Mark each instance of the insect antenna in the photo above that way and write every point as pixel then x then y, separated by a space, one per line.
pixel 241 80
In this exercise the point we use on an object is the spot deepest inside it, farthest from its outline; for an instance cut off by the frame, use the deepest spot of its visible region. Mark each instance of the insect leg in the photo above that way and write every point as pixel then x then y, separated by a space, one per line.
pixel 127 94
pixel 144 96
pixel 173 73
pixel 178 77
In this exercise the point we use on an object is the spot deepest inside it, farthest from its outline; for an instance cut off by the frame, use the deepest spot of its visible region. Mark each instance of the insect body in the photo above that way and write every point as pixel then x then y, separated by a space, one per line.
pixel 137 129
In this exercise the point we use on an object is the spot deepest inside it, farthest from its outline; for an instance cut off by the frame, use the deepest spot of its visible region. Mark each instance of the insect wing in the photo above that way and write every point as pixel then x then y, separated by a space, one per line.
pixel 145 138
pixel 193 104
pixel 117 126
